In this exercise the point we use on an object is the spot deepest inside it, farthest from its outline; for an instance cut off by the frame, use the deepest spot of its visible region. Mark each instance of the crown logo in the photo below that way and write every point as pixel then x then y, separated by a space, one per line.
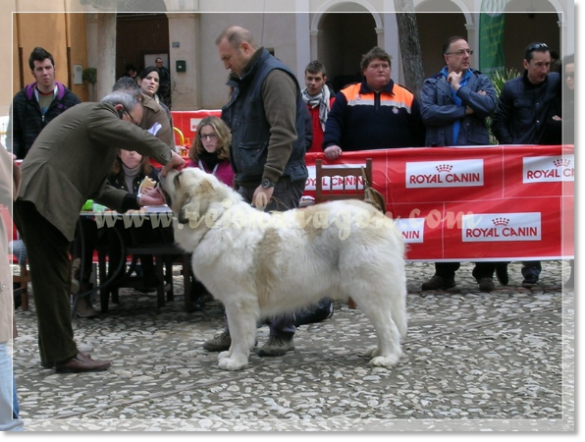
pixel 562 162
pixel 501 221
pixel 444 168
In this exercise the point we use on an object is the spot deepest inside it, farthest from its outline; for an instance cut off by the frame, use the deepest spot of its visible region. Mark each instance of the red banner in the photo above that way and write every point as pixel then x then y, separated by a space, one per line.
pixel 504 202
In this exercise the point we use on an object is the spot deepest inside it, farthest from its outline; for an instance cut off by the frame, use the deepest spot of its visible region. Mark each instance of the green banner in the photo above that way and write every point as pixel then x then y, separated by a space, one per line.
pixel 491 36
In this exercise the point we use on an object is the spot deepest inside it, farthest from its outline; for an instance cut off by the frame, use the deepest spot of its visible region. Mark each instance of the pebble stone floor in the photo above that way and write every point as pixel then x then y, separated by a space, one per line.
pixel 473 361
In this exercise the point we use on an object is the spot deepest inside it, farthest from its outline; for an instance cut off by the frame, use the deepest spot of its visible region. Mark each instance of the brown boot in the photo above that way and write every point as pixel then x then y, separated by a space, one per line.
pixel 84 308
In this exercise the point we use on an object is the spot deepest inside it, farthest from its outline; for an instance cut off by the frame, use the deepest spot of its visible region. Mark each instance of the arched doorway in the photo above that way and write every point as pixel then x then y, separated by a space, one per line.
pixel 138 36
pixel 343 39
pixel 434 28
pixel 528 21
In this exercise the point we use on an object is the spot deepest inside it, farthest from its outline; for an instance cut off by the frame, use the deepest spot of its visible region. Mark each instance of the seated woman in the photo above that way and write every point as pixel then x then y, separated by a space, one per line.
pixel 128 172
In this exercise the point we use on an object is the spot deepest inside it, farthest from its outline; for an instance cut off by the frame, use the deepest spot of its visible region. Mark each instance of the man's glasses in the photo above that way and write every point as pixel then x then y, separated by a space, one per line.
pixel 461 53
pixel 131 118
pixel 210 137
pixel 570 75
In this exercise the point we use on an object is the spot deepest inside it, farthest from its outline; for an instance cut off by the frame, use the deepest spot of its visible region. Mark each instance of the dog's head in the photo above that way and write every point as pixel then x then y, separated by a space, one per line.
pixel 189 192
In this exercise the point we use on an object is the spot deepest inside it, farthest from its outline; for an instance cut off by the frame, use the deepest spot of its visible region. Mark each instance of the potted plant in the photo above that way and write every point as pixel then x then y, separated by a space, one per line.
pixel 90 76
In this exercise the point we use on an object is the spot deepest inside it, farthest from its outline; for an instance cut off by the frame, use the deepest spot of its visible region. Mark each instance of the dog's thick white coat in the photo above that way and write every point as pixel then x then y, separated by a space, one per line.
pixel 259 264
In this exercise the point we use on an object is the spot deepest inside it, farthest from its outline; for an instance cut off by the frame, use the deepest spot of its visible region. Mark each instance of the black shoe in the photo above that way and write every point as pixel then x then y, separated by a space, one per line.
pixel 502 273
pixel 530 280
pixel 197 305
pixel 439 283
pixel 486 284
pixel 315 313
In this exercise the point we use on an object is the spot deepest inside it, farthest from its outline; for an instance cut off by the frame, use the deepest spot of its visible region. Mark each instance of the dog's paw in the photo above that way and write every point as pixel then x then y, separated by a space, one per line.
pixel 385 361
pixel 372 351
pixel 232 364
pixel 223 354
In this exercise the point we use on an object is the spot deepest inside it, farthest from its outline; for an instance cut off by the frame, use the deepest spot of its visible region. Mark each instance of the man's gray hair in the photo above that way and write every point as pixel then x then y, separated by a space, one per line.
pixel 124 98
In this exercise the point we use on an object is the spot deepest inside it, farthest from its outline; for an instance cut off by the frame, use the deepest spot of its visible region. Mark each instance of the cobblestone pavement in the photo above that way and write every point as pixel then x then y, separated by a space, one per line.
pixel 472 361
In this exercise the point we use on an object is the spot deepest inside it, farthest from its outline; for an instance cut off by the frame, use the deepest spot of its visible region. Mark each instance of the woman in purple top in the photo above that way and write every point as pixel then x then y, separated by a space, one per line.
pixel 210 152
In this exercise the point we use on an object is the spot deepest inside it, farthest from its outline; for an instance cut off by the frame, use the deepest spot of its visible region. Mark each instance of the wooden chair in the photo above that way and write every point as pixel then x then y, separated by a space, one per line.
pixel 349 190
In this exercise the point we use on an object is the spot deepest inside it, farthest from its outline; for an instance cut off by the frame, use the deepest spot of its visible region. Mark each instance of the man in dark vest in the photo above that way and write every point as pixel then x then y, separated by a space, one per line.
pixel 265 115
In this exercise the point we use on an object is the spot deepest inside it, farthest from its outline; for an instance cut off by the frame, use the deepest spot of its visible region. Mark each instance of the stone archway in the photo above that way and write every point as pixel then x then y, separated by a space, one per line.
pixel 342 39
pixel 526 22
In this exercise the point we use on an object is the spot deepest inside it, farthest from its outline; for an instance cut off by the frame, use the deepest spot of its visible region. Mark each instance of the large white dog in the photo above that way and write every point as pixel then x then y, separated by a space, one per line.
pixel 260 265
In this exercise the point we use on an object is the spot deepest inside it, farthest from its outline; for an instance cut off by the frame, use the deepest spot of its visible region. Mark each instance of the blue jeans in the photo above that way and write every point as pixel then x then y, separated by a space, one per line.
pixel 8 400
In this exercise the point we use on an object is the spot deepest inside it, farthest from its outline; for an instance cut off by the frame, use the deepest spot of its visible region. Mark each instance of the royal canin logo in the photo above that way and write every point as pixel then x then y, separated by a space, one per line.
pixel 548 169
pixel 444 168
pixel 489 227
pixel 455 173
pixel 501 221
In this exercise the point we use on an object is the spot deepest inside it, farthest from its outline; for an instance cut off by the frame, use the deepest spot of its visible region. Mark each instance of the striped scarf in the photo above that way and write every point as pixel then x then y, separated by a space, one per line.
pixel 322 100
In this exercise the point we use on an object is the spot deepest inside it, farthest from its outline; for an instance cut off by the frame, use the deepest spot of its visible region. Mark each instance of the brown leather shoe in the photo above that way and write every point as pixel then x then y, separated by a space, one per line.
pixel 81 363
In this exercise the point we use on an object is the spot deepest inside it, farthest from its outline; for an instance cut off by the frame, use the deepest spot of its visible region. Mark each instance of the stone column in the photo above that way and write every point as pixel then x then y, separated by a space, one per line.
pixel 186 86
pixel 106 53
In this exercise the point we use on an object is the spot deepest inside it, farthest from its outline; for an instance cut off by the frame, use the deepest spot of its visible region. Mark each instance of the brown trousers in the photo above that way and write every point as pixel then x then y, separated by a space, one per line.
pixel 50 268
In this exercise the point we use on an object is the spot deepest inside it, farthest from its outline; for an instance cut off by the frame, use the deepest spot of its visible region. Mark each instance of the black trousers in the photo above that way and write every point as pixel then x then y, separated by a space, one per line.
pixel 481 270
pixel 50 268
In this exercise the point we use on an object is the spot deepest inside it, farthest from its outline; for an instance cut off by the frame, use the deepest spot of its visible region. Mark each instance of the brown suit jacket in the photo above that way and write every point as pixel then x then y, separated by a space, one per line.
pixel 71 158
pixel 154 113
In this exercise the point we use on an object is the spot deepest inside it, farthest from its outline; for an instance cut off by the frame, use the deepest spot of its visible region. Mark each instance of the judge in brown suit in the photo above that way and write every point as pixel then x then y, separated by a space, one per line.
pixel 67 165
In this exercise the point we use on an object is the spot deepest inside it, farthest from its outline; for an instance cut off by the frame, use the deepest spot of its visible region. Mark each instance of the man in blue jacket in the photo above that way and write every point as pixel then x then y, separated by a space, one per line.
pixel 525 114
pixel 37 104
pixel 454 106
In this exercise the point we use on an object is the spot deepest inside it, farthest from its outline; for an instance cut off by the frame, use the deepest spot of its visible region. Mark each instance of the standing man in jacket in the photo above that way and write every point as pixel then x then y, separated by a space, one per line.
pixel 266 114
pixel 67 165
pixel 164 90
pixel 37 104
pixel 319 100
pixel 454 106
pixel 525 115
pixel 374 114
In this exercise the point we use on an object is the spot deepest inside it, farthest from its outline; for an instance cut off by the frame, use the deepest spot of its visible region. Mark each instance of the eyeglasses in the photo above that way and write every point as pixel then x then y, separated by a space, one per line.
pixel 210 137
pixel 570 75
pixel 131 118
pixel 537 47
pixel 461 52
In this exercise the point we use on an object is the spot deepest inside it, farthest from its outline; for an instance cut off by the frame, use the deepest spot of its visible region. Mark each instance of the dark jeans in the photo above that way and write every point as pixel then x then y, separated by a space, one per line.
pixel 50 268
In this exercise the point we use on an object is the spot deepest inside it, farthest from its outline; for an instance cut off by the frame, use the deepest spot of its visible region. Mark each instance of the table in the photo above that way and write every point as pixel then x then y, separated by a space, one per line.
pixel 157 216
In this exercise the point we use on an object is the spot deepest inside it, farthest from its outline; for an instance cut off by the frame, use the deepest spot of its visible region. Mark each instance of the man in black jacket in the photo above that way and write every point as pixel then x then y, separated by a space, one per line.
pixel 524 115
pixel 37 104
pixel 266 114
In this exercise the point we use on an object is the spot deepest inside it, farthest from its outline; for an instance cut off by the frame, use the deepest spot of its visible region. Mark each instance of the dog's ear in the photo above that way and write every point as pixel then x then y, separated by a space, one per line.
pixel 195 206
